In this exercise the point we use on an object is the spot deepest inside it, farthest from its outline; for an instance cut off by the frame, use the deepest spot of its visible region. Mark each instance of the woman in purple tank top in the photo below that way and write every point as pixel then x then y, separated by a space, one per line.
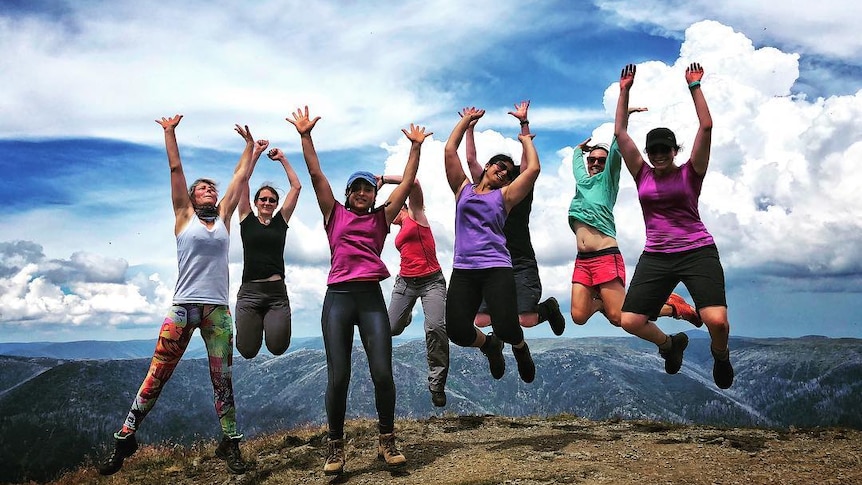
pixel 356 231
pixel 482 264
pixel 678 246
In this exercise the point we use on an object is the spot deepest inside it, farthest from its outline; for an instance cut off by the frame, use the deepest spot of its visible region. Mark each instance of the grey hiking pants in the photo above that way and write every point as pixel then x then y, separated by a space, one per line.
pixel 432 290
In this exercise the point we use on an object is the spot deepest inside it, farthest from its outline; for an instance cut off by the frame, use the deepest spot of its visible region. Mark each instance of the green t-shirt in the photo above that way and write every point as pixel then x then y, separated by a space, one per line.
pixel 593 203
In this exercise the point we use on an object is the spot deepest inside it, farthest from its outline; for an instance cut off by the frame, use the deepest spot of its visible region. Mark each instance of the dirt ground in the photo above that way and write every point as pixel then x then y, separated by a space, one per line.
pixel 495 450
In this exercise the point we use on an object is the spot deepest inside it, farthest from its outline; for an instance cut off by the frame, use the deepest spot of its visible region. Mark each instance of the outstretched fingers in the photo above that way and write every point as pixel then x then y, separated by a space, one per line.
pixel 244 132
pixel 302 121
pixel 417 133
pixel 170 122
pixel 694 72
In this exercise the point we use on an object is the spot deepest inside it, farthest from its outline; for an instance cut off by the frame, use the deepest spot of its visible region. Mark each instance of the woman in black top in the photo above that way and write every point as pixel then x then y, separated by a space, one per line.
pixel 262 305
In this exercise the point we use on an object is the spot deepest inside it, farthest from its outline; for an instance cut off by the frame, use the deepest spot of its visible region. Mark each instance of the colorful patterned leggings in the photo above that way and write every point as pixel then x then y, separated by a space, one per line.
pixel 217 331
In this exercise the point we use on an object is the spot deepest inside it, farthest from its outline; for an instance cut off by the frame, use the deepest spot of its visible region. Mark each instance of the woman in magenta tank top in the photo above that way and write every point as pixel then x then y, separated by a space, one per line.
pixel 678 246
pixel 356 231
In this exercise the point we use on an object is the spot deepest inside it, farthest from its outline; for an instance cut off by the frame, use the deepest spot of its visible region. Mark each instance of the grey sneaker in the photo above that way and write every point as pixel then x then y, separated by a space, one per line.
pixel 493 350
pixel 228 450
pixel 673 357
pixel 123 448
pixel 438 397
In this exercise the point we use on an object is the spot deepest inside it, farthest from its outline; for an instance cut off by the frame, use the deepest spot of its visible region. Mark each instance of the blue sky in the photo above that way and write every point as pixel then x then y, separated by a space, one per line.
pixel 86 243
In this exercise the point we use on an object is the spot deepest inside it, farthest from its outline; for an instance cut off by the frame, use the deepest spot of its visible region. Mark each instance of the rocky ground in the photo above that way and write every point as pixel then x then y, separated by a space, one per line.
pixel 496 450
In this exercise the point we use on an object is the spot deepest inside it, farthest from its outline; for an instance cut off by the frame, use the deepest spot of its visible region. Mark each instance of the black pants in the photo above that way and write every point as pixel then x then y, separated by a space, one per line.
pixel 467 288
pixel 345 305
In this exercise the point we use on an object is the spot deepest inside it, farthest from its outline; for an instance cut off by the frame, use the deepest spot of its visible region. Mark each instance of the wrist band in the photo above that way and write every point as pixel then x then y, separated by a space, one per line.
pixel 693 84
pixel 525 122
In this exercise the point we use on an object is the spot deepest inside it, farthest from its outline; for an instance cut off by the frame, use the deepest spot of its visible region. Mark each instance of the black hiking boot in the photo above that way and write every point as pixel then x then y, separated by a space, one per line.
pixel 228 450
pixel 123 448
pixel 555 317
pixel 673 357
pixel 526 367
pixel 493 350
pixel 722 372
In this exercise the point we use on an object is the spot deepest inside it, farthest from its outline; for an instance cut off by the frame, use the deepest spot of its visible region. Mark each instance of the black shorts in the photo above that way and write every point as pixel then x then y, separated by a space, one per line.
pixel 657 274
pixel 527 285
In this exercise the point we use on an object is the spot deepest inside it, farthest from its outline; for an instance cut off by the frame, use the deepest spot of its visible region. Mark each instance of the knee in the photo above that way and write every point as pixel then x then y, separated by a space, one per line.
pixel 579 316
pixel 463 340
pixel 631 323
pixel 278 348
pixel 615 317
pixel 247 351
pixel 717 326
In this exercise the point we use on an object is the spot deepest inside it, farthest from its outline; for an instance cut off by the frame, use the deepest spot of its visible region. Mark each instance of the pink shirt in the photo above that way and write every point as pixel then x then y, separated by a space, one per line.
pixel 669 204
pixel 418 249
pixel 355 242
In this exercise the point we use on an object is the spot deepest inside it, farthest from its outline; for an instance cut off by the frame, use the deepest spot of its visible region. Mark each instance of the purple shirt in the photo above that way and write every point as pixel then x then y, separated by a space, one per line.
pixel 669 204
pixel 355 242
pixel 479 239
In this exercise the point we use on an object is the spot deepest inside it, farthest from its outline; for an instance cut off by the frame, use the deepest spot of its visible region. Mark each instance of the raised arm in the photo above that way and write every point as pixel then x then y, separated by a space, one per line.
pixel 415 200
pixel 241 174
pixel 472 161
pixel 703 138
pixel 182 203
pixel 579 170
pixel 629 150
pixel 523 184
pixel 244 206
pixel 454 171
pixel 416 135
pixel 289 204
pixel 322 189
pixel 521 114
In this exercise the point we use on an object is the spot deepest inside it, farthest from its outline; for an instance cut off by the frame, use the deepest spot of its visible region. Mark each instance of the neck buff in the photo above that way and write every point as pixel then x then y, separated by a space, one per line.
pixel 207 213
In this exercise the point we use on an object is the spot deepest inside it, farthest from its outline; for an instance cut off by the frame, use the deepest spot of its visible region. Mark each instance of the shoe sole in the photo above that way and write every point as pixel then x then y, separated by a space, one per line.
pixel 392 466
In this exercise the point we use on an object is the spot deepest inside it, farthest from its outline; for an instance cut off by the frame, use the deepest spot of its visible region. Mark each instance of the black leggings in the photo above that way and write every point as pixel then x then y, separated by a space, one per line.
pixel 345 305
pixel 467 287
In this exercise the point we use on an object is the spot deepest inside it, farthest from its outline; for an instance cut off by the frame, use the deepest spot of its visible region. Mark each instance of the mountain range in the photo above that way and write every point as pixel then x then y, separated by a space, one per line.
pixel 60 403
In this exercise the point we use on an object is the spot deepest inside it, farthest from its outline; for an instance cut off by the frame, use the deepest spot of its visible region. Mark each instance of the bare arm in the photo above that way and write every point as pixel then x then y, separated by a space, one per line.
pixel 183 209
pixel 322 188
pixel 521 114
pixel 454 172
pixel 292 197
pixel 242 172
pixel 703 139
pixel 472 161
pixel 244 206
pixel 415 200
pixel 416 135
pixel 628 148
pixel 521 186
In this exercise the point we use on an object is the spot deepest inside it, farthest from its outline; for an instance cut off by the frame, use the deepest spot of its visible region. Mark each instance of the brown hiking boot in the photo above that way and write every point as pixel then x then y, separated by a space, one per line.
pixel 387 451
pixel 334 464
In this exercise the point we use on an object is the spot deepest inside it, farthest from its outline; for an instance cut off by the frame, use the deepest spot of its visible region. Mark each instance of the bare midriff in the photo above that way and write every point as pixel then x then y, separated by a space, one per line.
pixel 591 239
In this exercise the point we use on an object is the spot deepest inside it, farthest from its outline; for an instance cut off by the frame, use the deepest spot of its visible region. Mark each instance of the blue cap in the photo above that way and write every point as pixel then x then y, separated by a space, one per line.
pixel 366 176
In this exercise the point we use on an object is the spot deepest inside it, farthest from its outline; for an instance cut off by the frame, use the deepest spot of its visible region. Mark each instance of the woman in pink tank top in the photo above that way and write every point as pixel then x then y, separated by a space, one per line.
pixel 678 246
pixel 356 231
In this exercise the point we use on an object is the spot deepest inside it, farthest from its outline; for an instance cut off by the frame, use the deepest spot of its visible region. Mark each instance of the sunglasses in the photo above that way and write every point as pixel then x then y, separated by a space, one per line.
pixel 268 199
pixel 655 150
pixel 501 165
pixel 597 159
